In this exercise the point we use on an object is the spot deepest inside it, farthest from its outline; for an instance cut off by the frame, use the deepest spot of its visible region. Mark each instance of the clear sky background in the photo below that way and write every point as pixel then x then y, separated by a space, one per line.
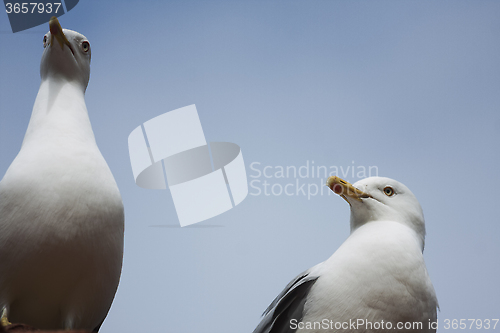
pixel 410 87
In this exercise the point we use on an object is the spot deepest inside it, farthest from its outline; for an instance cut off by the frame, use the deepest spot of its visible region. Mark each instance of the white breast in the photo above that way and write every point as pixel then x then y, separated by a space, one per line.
pixel 377 274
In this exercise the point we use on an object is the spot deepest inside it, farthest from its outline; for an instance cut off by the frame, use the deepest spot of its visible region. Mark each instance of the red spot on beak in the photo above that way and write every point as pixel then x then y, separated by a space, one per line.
pixel 337 189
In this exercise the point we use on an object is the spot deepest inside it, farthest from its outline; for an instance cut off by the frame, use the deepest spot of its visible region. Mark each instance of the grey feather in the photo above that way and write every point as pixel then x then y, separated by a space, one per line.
pixel 288 305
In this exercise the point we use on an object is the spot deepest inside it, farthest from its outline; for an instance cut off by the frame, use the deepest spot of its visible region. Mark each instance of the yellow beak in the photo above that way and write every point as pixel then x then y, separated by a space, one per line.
pixel 57 32
pixel 345 189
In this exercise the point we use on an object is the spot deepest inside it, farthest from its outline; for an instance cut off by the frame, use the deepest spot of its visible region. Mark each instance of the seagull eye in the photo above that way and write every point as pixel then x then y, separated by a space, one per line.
pixel 45 41
pixel 389 191
pixel 85 46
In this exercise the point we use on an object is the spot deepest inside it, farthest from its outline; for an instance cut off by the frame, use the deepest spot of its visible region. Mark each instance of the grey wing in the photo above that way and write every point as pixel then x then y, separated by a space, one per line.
pixel 288 305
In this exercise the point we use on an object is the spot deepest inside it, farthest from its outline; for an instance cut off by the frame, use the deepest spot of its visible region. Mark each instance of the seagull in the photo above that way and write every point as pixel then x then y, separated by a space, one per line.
pixel 376 281
pixel 61 213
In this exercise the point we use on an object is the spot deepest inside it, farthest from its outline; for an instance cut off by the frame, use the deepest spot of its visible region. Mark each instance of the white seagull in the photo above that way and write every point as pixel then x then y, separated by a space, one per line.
pixel 61 213
pixel 375 282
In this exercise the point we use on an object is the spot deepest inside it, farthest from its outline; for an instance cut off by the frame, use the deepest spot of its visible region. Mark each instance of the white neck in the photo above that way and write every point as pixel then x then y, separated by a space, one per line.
pixel 419 235
pixel 59 114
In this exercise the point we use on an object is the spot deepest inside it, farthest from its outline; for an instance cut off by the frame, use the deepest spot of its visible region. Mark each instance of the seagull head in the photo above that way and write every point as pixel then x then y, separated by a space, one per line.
pixel 66 55
pixel 380 199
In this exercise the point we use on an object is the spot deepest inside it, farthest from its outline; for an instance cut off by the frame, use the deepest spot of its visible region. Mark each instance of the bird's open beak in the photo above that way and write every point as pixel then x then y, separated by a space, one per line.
pixel 57 32
pixel 345 189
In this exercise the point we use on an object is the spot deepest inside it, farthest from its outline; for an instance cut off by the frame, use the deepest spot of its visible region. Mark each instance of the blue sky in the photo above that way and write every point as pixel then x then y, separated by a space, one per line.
pixel 409 87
